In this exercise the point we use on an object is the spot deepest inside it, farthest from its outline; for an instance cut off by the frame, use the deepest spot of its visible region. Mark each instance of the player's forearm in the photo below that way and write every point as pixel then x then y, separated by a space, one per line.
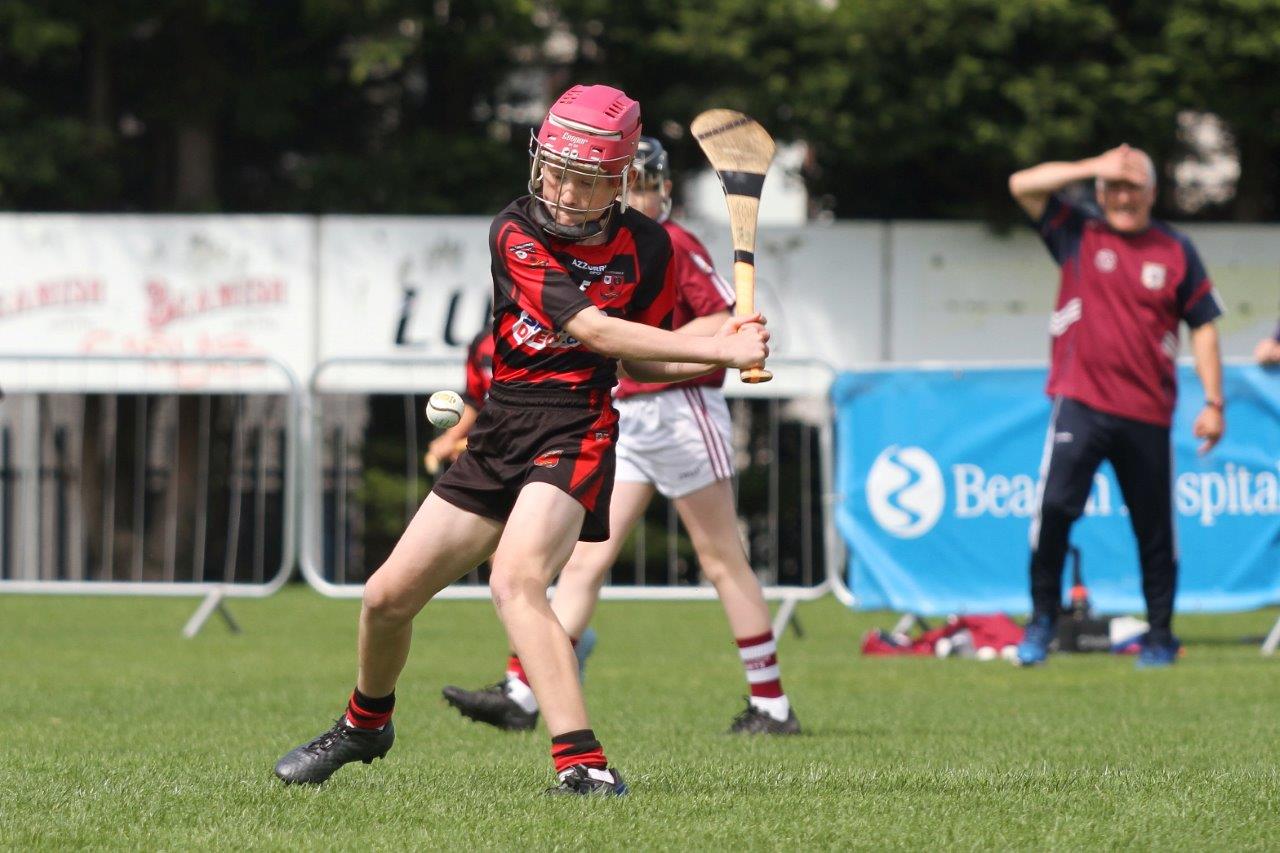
pixel 1208 359
pixel 664 371
pixel 707 325
pixel 1048 178
pixel 1032 187
pixel 667 371
pixel 634 342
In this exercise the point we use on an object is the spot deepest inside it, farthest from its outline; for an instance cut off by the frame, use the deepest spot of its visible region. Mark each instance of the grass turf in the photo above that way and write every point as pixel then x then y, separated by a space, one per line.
pixel 118 732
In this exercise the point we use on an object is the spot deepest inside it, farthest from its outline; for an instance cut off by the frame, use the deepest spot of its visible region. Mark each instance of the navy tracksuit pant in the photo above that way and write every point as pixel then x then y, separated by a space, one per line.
pixel 1079 439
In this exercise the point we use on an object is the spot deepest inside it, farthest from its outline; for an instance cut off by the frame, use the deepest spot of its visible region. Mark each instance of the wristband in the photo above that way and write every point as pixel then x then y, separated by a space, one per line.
pixel 1214 404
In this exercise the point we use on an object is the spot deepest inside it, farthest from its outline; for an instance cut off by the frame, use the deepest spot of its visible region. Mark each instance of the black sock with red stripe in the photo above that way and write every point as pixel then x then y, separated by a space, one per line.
pixel 578 747
pixel 366 712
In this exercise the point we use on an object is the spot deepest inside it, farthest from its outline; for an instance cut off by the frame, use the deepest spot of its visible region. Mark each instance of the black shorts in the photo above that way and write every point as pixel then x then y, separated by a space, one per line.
pixel 565 438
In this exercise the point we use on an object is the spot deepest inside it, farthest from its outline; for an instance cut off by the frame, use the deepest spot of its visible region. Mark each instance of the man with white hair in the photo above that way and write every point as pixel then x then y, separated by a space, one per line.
pixel 1127 281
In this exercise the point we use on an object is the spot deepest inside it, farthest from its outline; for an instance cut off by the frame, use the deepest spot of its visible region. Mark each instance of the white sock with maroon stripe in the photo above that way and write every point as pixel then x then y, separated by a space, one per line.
pixel 760 660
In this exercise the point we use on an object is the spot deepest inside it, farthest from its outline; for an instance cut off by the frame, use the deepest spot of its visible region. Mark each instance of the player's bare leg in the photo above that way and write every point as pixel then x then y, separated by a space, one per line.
pixel 541 533
pixel 709 517
pixel 712 522
pixel 578 589
pixel 510 704
pixel 441 544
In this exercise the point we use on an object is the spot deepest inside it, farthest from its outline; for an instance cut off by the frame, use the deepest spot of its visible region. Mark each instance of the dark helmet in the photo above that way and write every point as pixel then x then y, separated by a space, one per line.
pixel 653 170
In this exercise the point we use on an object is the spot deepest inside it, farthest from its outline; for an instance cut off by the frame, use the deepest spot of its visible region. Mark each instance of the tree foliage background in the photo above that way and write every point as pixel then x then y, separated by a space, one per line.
pixel 917 109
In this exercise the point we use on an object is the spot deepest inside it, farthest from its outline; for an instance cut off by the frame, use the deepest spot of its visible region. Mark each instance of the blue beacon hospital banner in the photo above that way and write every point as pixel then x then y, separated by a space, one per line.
pixel 938 473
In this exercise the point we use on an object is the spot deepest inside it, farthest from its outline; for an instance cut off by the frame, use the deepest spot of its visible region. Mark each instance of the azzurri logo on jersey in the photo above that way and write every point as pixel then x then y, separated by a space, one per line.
pixel 589 269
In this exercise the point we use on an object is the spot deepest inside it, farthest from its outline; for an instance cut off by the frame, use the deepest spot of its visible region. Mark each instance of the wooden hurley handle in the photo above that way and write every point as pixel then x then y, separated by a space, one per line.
pixel 744 285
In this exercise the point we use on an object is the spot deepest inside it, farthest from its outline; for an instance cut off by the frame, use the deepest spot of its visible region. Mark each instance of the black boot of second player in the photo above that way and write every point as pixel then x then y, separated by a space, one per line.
pixel 491 705
pixel 753 721
pixel 315 761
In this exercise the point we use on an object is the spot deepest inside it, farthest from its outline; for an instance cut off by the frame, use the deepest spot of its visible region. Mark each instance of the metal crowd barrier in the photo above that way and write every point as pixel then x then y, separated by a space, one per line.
pixel 113 483
pixel 363 479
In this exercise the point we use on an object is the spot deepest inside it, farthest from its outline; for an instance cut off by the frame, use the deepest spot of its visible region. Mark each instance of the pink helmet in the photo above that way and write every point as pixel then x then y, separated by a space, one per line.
pixel 589 132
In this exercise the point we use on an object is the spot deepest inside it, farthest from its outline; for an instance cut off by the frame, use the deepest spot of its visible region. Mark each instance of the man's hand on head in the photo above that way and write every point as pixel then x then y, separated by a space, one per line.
pixel 1110 165
pixel 1122 163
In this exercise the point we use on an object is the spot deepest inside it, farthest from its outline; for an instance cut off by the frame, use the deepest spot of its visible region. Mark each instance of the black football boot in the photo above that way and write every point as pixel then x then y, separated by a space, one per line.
pixel 491 705
pixel 754 721
pixel 315 761
pixel 580 780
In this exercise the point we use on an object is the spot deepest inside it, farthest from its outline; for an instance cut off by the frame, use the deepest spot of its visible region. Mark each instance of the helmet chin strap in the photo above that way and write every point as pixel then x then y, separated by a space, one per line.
pixel 571 233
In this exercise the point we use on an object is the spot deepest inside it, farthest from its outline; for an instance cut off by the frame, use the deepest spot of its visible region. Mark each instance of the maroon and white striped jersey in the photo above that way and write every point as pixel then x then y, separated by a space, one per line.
pixel 699 291
pixel 1120 301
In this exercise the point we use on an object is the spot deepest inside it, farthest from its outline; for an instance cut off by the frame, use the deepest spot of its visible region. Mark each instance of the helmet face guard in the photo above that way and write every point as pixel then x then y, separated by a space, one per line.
pixel 653 172
pixel 549 173
pixel 587 142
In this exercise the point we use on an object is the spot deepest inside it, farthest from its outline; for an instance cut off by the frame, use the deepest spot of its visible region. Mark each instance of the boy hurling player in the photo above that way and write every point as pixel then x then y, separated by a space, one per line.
pixel 580 283
pixel 675 439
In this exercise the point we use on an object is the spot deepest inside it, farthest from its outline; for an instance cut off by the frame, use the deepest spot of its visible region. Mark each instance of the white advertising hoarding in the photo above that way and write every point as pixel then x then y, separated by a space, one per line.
pixel 408 292
pixel 391 302
pixel 412 292
pixel 820 286
pixel 962 293
pixel 182 286
pixel 1244 263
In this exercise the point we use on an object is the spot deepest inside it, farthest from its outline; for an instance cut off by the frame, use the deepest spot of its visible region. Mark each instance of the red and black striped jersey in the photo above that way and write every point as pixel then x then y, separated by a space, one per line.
pixel 540 283
pixel 479 369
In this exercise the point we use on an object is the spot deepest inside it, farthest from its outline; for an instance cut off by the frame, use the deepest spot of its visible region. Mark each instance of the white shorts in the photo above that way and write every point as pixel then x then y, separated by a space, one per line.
pixel 678 440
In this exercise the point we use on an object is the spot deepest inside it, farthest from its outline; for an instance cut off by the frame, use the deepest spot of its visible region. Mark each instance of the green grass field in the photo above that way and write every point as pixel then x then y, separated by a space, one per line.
pixel 119 733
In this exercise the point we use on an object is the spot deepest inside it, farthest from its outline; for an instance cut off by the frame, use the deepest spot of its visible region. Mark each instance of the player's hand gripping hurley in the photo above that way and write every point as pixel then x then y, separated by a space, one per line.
pixel 740 151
